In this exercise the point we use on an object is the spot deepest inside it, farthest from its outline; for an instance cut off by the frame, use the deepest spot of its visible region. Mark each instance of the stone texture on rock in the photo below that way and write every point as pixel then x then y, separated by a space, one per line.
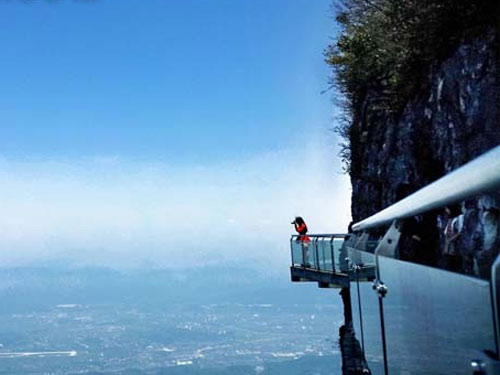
pixel 452 119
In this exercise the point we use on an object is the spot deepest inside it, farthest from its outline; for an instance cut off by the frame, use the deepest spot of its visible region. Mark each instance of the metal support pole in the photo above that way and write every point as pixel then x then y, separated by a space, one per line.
pixel 331 253
pixel 381 290
pixel 356 270
pixel 382 326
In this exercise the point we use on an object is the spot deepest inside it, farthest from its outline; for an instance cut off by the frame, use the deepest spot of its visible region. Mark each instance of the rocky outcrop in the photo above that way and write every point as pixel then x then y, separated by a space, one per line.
pixel 452 118
pixel 353 359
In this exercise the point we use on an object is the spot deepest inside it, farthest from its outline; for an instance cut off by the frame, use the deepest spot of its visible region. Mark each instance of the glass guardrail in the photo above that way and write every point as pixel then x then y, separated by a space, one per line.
pixel 319 252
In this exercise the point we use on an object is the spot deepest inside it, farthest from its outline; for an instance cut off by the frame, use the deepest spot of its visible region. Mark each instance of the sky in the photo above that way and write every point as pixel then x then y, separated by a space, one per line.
pixel 165 133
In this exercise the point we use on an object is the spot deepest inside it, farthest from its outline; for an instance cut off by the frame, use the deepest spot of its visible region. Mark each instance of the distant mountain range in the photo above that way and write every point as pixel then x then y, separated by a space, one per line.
pixel 28 288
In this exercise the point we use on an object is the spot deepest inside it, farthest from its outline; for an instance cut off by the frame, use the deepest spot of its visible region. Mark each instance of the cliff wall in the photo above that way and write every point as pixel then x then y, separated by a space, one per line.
pixel 450 119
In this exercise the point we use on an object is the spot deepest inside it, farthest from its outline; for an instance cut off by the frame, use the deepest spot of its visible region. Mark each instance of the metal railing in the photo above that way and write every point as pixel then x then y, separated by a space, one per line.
pixel 478 176
pixel 320 252
pixel 481 175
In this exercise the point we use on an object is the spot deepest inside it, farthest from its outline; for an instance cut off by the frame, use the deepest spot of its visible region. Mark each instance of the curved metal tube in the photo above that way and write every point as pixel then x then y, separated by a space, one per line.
pixel 478 176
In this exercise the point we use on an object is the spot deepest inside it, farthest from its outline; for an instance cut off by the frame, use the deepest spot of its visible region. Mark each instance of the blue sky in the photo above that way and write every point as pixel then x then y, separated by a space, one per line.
pixel 115 104
pixel 177 80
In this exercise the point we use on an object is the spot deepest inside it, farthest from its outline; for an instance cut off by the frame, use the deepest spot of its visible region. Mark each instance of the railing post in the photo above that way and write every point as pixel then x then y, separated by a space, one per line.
pixel 332 253
pixel 316 261
pixel 495 296
pixel 304 252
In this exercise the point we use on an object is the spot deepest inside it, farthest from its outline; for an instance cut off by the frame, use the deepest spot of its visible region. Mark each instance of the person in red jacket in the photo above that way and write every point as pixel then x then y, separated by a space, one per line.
pixel 301 228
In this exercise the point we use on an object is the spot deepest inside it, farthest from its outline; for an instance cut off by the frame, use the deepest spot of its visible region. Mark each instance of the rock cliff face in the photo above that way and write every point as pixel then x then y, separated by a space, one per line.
pixel 453 118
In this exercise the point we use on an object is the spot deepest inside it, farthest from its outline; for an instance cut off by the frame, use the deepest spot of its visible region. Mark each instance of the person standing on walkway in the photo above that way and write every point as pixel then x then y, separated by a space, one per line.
pixel 301 229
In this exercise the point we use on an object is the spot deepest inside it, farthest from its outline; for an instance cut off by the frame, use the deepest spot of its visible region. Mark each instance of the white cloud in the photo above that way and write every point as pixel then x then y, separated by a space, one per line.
pixel 116 212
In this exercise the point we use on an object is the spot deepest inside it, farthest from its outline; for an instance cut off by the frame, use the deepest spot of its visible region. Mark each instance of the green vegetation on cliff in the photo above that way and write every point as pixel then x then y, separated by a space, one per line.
pixel 387 47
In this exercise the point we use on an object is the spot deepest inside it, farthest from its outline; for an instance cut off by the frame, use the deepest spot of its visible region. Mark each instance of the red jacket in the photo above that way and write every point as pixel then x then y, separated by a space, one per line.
pixel 302 230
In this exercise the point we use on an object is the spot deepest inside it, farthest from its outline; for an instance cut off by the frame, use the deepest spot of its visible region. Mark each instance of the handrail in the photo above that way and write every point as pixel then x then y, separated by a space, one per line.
pixel 478 176
pixel 339 235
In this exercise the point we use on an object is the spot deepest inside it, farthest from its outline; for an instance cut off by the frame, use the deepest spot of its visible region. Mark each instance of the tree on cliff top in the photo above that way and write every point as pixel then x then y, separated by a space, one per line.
pixel 385 48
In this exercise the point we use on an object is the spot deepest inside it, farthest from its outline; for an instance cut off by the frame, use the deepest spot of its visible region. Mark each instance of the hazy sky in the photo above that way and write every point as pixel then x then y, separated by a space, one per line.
pixel 165 132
